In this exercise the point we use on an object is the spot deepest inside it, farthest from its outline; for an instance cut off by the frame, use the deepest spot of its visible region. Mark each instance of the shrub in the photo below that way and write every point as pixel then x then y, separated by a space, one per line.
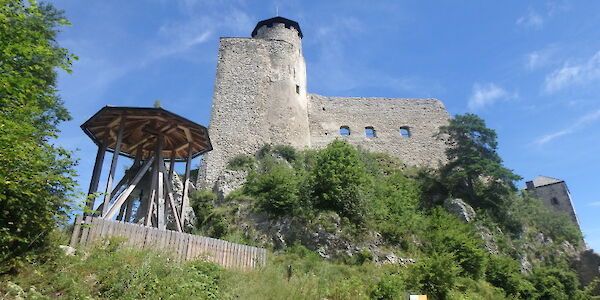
pixel 446 233
pixel 436 274
pixel 276 190
pixel 286 151
pixel 395 208
pixel 390 287
pixel 504 272
pixel 241 162
pixel 554 283
pixel 341 181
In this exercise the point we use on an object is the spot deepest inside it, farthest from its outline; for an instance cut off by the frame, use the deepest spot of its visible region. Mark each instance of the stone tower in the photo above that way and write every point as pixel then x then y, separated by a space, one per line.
pixel 555 195
pixel 259 95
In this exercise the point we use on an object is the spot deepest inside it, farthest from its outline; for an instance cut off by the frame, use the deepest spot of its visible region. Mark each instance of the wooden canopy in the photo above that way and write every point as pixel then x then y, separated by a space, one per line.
pixel 141 126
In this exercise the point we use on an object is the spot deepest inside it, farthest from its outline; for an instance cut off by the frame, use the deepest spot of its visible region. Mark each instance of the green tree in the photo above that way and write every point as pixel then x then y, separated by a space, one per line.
pixel 35 175
pixel 473 157
pixel 341 181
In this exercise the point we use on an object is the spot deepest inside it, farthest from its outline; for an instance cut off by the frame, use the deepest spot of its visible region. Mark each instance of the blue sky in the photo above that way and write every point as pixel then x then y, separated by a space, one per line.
pixel 531 69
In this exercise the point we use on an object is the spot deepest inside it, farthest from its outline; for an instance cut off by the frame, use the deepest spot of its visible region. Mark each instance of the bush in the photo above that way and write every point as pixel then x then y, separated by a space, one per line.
pixel 241 162
pixel 554 283
pixel 395 209
pixel 504 272
pixel 341 181
pixel 448 234
pixel 209 221
pixel 390 287
pixel 276 190
pixel 436 274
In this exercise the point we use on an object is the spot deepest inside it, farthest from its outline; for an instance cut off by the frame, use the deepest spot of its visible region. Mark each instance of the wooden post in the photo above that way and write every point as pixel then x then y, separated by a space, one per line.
pixel 152 196
pixel 185 201
pixel 172 165
pixel 76 229
pixel 129 208
pixel 129 202
pixel 160 203
pixel 113 166
pixel 96 176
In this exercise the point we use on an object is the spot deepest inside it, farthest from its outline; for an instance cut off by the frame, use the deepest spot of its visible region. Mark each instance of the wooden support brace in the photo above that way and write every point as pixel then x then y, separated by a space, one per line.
pixel 113 166
pixel 160 203
pixel 113 209
pixel 172 202
pixel 95 176
pixel 185 202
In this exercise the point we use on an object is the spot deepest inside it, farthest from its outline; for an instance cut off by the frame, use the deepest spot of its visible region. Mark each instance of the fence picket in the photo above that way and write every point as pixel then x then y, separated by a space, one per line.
pixel 179 246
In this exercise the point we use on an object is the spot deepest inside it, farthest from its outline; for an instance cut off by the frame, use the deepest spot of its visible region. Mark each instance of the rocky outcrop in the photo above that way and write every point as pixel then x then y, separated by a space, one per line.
pixel 229 181
pixel 587 265
pixel 460 209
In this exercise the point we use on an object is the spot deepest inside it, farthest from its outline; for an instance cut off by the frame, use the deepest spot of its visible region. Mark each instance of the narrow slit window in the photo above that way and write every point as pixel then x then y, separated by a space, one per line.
pixel 555 201
pixel 297 89
pixel 344 130
pixel 370 132
pixel 404 132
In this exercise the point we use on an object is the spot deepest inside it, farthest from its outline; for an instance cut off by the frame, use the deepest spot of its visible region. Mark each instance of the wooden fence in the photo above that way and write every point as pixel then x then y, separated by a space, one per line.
pixel 182 246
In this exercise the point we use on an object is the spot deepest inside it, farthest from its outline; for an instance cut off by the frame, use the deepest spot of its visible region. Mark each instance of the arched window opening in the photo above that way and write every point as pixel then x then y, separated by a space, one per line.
pixel 344 130
pixel 370 132
pixel 405 132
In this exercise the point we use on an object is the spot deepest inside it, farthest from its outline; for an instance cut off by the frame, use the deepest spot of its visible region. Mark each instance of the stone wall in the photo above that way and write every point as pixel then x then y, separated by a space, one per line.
pixel 422 117
pixel 259 98
pixel 556 196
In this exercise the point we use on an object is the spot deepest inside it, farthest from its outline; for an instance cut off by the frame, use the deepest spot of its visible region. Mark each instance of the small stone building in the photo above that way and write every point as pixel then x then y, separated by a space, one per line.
pixel 261 97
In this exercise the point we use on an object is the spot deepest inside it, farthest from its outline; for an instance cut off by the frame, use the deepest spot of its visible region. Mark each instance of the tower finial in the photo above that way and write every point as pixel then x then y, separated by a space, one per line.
pixel 277 10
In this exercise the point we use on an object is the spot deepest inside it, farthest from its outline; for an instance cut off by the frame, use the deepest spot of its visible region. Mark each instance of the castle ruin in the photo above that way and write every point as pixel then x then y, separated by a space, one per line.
pixel 260 97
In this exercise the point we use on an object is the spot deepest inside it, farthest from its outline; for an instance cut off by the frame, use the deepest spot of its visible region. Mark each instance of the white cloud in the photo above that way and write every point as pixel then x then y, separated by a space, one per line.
pixel 486 95
pixel 531 20
pixel 580 123
pixel 596 203
pixel 574 74
pixel 540 58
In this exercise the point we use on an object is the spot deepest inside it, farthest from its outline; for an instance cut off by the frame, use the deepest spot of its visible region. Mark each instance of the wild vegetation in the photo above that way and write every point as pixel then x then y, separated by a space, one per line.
pixel 375 193
pixel 362 197
pixel 36 177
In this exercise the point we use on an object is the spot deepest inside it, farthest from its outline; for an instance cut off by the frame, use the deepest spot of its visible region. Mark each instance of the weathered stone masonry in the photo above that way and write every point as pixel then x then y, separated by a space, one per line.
pixel 260 97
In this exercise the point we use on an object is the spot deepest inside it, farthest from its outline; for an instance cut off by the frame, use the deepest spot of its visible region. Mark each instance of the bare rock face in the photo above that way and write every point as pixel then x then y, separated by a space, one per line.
pixel 488 238
pixel 229 181
pixel 460 209
pixel 588 267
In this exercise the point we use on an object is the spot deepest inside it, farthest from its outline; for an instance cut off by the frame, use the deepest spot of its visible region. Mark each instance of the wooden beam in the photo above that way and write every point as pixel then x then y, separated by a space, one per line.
pixel 169 189
pixel 129 209
pixel 95 177
pixel 185 202
pixel 159 184
pixel 140 143
pixel 152 196
pixel 132 130
pixel 142 171
pixel 172 165
pixel 113 166
pixel 188 134
pixel 183 146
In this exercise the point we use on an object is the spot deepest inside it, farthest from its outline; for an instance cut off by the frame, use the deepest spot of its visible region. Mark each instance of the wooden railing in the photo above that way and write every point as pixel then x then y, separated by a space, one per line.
pixel 182 246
